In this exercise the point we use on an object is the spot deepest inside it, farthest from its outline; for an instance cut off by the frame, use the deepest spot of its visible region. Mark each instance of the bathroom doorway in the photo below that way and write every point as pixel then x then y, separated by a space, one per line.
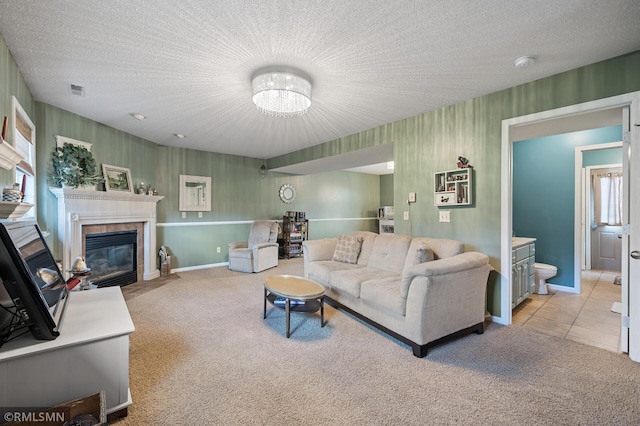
pixel 566 117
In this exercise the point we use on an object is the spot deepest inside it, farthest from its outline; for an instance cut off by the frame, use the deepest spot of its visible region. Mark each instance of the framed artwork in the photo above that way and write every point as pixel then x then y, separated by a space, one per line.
pixel 195 193
pixel 117 178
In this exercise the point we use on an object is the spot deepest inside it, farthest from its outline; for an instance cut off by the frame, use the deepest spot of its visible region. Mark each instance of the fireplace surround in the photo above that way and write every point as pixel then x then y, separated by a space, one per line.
pixel 78 209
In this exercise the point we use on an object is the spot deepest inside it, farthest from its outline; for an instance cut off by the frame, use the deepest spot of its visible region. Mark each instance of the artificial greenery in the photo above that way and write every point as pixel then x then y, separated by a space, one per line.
pixel 73 166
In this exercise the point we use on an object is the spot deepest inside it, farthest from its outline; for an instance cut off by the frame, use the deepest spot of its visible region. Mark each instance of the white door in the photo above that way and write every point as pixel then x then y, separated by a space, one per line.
pixel 606 221
pixel 631 257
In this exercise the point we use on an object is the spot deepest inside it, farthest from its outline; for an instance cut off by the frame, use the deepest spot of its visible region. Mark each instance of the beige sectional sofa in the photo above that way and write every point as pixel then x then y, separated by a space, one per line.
pixel 393 284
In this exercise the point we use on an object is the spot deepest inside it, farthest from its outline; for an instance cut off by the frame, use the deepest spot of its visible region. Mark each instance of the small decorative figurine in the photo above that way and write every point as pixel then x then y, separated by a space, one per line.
pixel 142 189
pixel 163 254
pixel 463 163
pixel 79 264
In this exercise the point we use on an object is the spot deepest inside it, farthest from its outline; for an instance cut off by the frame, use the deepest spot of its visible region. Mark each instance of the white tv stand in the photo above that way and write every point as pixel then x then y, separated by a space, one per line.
pixel 90 355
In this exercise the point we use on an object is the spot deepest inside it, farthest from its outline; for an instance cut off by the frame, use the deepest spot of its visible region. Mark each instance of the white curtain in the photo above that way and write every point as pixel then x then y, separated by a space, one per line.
pixel 608 199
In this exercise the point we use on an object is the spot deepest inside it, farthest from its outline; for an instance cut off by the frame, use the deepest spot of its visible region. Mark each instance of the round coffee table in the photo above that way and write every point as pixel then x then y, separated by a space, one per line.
pixel 293 294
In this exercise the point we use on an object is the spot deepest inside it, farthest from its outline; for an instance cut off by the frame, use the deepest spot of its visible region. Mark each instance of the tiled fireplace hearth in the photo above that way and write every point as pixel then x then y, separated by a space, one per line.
pixel 83 212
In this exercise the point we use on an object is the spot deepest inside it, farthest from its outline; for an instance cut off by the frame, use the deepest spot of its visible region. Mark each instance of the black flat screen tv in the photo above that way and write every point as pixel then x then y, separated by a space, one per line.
pixel 34 290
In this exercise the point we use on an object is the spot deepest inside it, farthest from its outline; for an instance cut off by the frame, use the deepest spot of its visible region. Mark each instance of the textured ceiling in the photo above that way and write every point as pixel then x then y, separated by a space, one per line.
pixel 187 64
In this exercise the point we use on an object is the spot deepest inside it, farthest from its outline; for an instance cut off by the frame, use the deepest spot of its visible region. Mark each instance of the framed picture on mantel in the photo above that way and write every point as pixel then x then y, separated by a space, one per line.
pixel 117 178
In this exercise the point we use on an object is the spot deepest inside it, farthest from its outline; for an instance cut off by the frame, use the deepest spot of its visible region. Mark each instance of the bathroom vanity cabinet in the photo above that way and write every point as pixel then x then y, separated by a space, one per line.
pixel 523 259
pixel 453 187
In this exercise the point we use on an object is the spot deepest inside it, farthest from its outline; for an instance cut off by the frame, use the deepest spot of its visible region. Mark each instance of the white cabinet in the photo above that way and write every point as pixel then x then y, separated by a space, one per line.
pixel 90 355
pixel 453 187
pixel 522 271
pixel 385 226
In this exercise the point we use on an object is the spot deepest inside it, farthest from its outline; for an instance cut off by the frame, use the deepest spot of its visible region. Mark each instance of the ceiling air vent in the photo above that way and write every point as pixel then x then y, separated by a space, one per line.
pixel 76 89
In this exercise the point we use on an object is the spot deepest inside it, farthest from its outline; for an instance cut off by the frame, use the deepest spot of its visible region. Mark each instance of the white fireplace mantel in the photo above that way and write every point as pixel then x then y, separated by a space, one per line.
pixel 78 208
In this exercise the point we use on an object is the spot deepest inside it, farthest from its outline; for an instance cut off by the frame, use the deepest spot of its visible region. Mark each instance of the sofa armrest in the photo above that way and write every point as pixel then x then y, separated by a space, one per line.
pixel 448 265
pixel 315 250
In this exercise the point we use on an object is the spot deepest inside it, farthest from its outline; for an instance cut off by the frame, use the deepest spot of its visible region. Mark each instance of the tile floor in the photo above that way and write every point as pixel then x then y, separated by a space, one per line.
pixel 585 317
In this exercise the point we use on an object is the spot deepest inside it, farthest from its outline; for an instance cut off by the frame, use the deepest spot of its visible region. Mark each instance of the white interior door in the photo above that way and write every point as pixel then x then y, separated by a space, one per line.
pixel 626 209
pixel 606 238
pixel 631 257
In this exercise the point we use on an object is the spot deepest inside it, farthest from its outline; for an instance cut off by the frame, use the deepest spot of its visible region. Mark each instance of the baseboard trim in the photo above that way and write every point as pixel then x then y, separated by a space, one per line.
pixel 195 268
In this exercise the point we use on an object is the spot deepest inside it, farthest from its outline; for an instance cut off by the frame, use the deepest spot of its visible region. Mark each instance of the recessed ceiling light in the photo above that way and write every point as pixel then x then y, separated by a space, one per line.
pixel 179 135
pixel 525 61
pixel 137 115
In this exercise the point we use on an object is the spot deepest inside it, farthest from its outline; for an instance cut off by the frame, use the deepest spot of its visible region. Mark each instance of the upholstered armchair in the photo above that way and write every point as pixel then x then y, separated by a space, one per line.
pixel 260 252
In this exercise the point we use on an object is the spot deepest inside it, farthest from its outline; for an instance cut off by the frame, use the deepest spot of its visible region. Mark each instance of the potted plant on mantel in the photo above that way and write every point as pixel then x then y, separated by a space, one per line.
pixel 73 166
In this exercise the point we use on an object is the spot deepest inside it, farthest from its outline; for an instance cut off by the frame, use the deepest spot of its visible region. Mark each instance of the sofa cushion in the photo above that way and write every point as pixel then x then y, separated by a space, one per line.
pixel 390 252
pixel 347 249
pixel 368 238
pixel 384 293
pixel 320 271
pixel 349 280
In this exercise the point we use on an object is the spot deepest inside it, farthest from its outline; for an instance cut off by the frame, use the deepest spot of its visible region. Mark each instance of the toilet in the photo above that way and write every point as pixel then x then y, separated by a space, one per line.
pixel 543 273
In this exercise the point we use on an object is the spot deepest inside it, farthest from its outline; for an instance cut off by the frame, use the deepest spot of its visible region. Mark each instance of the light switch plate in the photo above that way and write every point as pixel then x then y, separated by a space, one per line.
pixel 184 215
pixel 199 214
pixel 406 215
pixel 412 197
pixel 445 216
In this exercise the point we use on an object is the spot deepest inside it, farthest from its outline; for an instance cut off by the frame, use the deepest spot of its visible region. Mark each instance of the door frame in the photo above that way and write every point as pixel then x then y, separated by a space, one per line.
pixel 585 217
pixel 506 198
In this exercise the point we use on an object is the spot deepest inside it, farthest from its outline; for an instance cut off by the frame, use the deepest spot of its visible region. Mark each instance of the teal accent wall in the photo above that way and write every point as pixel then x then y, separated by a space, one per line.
pixel 386 190
pixel 544 193
pixel 602 156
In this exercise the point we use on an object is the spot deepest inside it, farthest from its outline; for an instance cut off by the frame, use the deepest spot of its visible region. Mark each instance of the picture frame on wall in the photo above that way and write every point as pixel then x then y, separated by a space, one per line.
pixel 117 178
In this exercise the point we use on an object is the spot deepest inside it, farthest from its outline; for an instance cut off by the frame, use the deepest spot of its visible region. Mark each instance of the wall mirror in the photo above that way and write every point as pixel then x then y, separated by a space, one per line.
pixel 195 193
pixel 287 193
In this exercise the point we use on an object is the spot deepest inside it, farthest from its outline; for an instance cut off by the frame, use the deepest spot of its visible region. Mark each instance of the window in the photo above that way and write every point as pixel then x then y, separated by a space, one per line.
pixel 24 141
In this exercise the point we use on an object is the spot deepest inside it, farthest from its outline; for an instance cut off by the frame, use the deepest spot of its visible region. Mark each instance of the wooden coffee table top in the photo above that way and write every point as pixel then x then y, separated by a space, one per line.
pixel 293 287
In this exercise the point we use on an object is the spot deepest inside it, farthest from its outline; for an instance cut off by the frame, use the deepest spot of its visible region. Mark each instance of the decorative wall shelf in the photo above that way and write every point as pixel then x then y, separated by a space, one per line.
pixel 9 156
pixel 453 187
pixel 12 210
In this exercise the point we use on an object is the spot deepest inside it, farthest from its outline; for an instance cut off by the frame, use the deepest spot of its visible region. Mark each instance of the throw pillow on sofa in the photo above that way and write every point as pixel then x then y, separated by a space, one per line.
pixel 423 254
pixel 347 249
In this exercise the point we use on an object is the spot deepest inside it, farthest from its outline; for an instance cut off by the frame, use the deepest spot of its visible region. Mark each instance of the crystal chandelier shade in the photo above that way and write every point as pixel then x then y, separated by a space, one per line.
pixel 281 94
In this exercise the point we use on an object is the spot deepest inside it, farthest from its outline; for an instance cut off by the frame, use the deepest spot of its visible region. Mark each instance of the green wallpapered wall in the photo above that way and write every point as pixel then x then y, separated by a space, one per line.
pixel 386 190
pixel 424 144
pixel 11 84
pixel 431 142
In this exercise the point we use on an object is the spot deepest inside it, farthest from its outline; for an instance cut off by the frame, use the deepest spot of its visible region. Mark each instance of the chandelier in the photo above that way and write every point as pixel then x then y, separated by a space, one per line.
pixel 281 94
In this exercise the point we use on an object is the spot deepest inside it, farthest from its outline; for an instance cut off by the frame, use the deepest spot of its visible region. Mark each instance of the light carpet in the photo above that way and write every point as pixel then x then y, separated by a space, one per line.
pixel 203 355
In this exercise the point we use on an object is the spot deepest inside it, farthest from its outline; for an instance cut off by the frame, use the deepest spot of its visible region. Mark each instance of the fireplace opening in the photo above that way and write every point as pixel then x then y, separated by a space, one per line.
pixel 112 257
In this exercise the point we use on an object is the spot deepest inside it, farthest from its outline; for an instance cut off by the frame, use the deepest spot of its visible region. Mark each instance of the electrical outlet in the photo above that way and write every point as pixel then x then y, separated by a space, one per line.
pixel 184 215
pixel 199 214
pixel 445 216
pixel 218 250
pixel 406 215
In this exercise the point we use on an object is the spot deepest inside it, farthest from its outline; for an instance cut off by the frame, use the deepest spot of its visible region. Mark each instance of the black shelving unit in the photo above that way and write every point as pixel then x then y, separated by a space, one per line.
pixel 295 230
